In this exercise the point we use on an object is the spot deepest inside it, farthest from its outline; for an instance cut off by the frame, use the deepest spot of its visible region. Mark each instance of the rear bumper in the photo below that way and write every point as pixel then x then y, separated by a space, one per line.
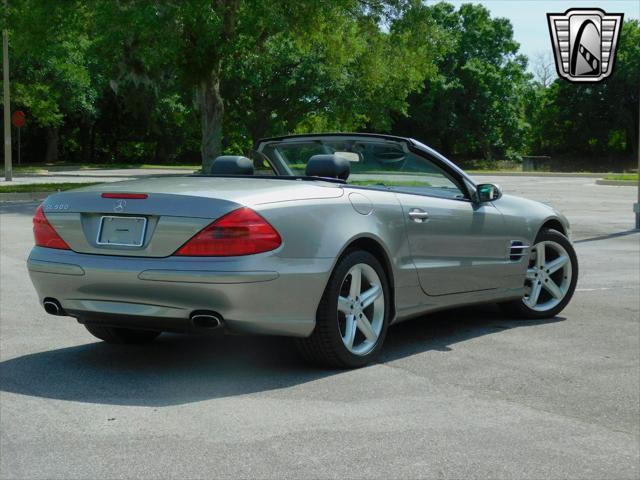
pixel 255 294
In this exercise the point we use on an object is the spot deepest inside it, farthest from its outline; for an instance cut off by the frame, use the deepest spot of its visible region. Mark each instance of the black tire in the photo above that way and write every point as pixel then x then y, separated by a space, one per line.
pixel 122 335
pixel 519 309
pixel 325 346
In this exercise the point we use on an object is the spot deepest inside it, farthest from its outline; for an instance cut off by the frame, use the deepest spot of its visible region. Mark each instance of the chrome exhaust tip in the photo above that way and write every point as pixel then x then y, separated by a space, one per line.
pixel 53 307
pixel 208 320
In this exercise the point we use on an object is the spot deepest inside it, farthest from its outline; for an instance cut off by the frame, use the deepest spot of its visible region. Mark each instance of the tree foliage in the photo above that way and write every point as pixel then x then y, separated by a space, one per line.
pixel 184 80
pixel 592 119
pixel 473 105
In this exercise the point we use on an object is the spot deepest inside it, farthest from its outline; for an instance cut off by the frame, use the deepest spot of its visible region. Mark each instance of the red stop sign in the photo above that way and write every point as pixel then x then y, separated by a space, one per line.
pixel 18 118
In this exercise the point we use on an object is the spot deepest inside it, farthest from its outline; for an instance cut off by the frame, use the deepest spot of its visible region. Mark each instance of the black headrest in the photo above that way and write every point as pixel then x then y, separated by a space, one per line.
pixel 232 165
pixel 329 166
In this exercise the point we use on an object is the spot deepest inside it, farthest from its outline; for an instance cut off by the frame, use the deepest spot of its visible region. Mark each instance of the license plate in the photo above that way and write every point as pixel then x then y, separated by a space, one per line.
pixel 122 231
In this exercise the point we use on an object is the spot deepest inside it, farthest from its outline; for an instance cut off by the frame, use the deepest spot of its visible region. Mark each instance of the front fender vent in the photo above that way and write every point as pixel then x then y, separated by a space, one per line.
pixel 518 250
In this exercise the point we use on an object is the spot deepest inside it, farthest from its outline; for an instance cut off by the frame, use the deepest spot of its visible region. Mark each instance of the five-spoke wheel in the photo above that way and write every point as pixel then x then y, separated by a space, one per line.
pixel 548 277
pixel 360 309
pixel 353 314
pixel 551 277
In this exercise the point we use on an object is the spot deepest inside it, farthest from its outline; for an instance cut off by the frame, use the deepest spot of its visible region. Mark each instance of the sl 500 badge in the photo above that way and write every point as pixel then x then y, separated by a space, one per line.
pixel 56 206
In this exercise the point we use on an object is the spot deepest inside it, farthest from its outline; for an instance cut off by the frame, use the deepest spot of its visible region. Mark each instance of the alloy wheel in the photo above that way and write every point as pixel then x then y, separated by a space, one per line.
pixel 549 276
pixel 361 309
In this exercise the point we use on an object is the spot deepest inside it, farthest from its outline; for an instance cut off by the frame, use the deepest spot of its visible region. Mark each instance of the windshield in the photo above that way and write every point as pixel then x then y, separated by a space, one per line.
pixel 375 163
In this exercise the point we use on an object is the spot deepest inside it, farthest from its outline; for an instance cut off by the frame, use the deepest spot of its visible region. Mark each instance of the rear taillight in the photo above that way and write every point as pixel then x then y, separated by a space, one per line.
pixel 241 232
pixel 44 234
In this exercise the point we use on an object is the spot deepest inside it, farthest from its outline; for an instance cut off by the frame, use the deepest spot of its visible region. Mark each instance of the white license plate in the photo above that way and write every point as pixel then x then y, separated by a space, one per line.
pixel 122 231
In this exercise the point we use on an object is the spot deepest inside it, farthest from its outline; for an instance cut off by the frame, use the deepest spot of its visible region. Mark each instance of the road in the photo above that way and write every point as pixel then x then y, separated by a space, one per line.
pixel 462 394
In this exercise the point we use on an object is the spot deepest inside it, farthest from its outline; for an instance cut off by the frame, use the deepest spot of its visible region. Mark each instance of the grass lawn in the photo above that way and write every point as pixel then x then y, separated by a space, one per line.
pixel 629 177
pixel 42 187
pixel 25 169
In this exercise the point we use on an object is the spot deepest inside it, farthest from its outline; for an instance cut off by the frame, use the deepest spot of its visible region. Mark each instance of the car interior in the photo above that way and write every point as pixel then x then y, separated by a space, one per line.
pixel 386 165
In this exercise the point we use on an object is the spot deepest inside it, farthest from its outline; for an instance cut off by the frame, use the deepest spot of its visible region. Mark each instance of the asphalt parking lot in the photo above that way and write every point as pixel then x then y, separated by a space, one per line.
pixel 462 394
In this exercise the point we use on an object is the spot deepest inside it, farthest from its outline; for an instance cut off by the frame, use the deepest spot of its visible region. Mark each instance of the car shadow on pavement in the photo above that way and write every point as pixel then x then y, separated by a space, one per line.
pixel 608 236
pixel 179 369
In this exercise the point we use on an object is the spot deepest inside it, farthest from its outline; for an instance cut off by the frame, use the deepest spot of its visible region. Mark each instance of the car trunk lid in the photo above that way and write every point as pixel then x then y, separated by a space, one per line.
pixel 107 220
pixel 153 227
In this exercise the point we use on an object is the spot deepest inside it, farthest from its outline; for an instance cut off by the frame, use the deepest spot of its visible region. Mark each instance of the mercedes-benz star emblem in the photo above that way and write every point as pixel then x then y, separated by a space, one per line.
pixel 119 206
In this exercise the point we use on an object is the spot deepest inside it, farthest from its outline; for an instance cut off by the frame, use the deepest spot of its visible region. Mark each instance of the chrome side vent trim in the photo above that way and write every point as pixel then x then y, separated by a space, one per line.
pixel 518 250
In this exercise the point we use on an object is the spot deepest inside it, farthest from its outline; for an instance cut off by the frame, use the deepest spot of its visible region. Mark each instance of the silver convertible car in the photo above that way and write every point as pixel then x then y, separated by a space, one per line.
pixel 327 238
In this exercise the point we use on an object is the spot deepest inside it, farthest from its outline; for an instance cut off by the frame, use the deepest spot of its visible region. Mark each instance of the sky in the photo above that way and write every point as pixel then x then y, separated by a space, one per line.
pixel 529 20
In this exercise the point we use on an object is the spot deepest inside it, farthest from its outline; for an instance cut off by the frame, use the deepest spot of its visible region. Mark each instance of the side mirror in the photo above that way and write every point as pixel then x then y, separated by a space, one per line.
pixel 488 192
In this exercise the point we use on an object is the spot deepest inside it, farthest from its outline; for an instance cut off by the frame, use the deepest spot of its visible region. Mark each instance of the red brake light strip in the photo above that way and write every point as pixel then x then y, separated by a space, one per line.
pixel 128 196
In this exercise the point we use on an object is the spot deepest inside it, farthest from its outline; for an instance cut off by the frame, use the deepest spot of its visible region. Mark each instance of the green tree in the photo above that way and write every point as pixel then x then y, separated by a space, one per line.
pixel 473 106
pixel 270 64
pixel 51 65
pixel 350 75
pixel 596 120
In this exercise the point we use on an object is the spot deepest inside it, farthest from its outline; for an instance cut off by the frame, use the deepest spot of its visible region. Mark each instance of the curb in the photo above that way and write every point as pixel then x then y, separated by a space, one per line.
pixel 617 183
pixel 24 196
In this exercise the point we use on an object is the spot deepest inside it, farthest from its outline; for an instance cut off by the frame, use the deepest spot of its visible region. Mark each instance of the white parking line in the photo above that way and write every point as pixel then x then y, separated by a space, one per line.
pixel 602 288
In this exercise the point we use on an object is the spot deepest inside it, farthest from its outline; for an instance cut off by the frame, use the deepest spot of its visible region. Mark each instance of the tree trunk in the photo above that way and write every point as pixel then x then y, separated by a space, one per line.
pixel 85 142
pixel 52 145
pixel 161 154
pixel 92 144
pixel 113 151
pixel 257 131
pixel 634 132
pixel 446 145
pixel 211 114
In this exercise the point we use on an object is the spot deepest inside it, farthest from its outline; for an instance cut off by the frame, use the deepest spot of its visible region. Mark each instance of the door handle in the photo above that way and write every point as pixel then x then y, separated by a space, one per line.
pixel 418 215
